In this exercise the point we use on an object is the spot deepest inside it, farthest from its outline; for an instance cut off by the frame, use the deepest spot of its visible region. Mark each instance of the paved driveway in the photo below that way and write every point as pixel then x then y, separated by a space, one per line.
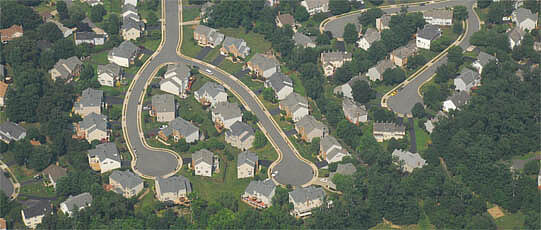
pixel 203 53
pixel 5 184
pixel 218 60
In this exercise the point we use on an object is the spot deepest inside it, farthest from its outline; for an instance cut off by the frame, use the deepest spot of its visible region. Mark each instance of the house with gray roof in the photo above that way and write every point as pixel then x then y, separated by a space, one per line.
pixel 163 107
pixel 93 127
pixel 316 6
pixel 309 128
pixel 304 41
pixel 176 80
pixel 407 160
pixel 354 112
pixel 400 55
pixel 259 194
pixel 525 19
pixel 210 93
pixel 306 199
pixel 281 84
pixel 124 54
pixel 90 101
pixel 382 23
pixel 91 38
pixel 109 75
pixel 331 150
pixel 345 89
pixel 173 189
pixel 246 164
pixel 76 203
pixel 467 80
pixel 235 47
pixel 263 65
pixel 128 9
pixel 10 131
pixel 104 157
pixel 225 114
pixel 203 162
pixel 66 69
pixel 515 37
pixel 240 135
pixel 205 11
pixel 347 169
pixel 455 101
pixel 54 172
pixel 295 106
pixel 383 131
pixel 370 36
pixel 332 60
pixel 180 128
pixel 431 123
pixel 482 60
pixel 376 72
pixel 34 211
pixel 439 17
pixel 125 183
pixel 426 35
pixel 206 36
pixel 132 27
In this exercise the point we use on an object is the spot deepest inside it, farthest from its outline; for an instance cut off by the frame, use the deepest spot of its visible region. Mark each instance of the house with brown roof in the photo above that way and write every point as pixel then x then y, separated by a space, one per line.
pixel 8 34
pixel 285 19
pixel 334 60
pixel 3 92
pixel 400 55
pixel 54 172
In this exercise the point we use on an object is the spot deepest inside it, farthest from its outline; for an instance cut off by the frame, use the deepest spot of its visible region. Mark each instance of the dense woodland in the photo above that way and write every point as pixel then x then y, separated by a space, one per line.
pixel 500 122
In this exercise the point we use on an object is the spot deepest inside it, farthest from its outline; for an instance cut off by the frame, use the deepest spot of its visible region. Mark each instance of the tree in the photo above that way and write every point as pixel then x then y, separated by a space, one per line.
pixel 97 12
pixel 343 74
pixel 483 3
pixel 393 76
pixel 455 55
pixel 418 110
pixel 498 10
pixel 333 112
pixel 433 96
pixel 380 114
pixel 301 15
pixel 339 6
pixel 350 33
pixel 349 132
pixel 362 92
pixel 314 145
pixel 62 10
pixel 531 167
pixel 457 27
pixel 152 19
pixel 112 24
pixel 376 2
pixel 268 94
pixel 324 38
pixel 460 13
pixel 369 17
pixel 444 73
pixel 260 139
pixel 13 13
pixel 532 5
pixel 50 32
pixel 416 61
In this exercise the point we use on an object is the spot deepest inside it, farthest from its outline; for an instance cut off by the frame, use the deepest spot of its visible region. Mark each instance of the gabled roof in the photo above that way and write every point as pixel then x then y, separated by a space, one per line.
pixel 163 103
pixel 484 58
pixel 90 98
pixel 227 110
pixel 438 14
pixel 88 35
pixel 174 184
pixel 516 34
pixel 328 142
pixel 79 201
pixel 247 157
pixel 310 193
pixel 128 7
pixel 388 127
pixel 522 14
pixel 301 39
pixel 111 69
pixel 37 208
pixel 185 128
pixel 468 76
pixel 265 187
pixel 203 155
pixel 352 108
pixel 55 171
pixel 346 169
pixel 94 121
pixel 211 88
pixel 385 20
pixel 316 3
pixel 127 179
pixel 405 51
pixel 383 65
pixel 131 23
pixel 8 33
pixel 429 32
pixel 413 160
pixel 238 43
pixel 104 151
pixel 241 130
pixel 180 70
pixel 293 101
pixel 286 19
pixel 126 49
pixel 13 129
pixel 309 123
pixel 371 35
pixel 264 62
pixel 278 81
pixel 332 56
pixel 66 66
pixel 460 98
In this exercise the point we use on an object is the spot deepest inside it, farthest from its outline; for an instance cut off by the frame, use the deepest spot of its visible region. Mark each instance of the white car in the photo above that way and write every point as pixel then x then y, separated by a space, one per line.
pixel 209 71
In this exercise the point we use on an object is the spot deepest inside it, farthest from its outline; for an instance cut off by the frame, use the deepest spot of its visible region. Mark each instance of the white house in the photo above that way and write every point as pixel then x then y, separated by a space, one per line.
pixel 259 194
pixel 482 60
pixel 126 183
pixel 407 160
pixel 109 74
pixel 124 54
pixel 525 19
pixel 466 80
pixel 354 112
pixel 10 131
pixel 203 162
pixel 456 101
pixel 173 189
pixel 306 199
pixel 76 203
pixel 263 65
pixel 131 2
pixel 246 164
pixel 281 84
pixel 428 34
pixel 316 6
pixel 176 80
pixel 296 106
pixel 439 17
pixel 225 114
pixel 386 131
pixel 93 127
pixel 210 94
pixel 370 36
pixel 331 150
pixel 104 158
pixel 515 37
pixel 89 38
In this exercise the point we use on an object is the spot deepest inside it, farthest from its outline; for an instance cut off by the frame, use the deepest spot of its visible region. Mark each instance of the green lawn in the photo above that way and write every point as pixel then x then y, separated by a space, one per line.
pixel 38 189
pixel 230 67
pixel 252 84
pixel 189 14
pixel 22 173
pixel 421 137
pixel 304 149
pixel 297 83
pixel 3 116
pixel 212 55
pixel 189 47
pixel 511 221
pixel 99 58
pixel 382 88
pixel 151 44
pixel 113 6
pixel 483 13
pixel 256 42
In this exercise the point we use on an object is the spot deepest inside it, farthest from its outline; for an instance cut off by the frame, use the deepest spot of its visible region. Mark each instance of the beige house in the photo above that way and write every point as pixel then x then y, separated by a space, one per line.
pixel 263 65
pixel 354 112
pixel 247 163
pixel 66 69
pixel 125 183
pixel 387 131
pixel 93 127
pixel 400 55
pixel 90 101
pixel 259 194
pixel 306 199
pixel 285 19
pixel 240 135
pixel 3 92
pixel 35 211
pixel 104 158
pixel 408 161
pixel 173 189
pixel 54 172
pixel 206 36
pixel 331 150
pixel 334 60
pixel 235 47
pixel 163 107
pixel 309 128
pixel 203 162
pixel 296 106
pixel 382 23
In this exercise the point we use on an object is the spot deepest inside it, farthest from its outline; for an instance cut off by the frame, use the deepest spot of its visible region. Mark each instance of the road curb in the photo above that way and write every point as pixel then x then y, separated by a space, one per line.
pixel 13 180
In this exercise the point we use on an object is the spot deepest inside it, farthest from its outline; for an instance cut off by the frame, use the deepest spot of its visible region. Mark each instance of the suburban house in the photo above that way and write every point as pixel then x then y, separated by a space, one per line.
pixel 163 107
pixel 93 127
pixel 272 3
pixel 131 2
pixel 203 162
pixel 439 17
pixel 316 6
pixel 54 172
pixel 10 131
pixel 225 114
pixel 309 128
pixel 76 203
pixel 347 169
pixel 65 30
pixel 263 65
pixel 306 199
pixel 180 128
pixel 104 157
pixel 210 94
pixel 93 2
pixel 259 194
pixel 285 19
pixel 467 80
pixel 426 35
pixel 173 189
pixel 431 123
pixel 354 112
pixel 129 10
pixel 382 23
pixel 89 38
pixel 296 106
pixel 176 80
pixel 408 161
pixel 376 72
pixel 525 19
pixel 131 28
pixel 537 46
pixel 206 36
pixel 370 36
pixel 240 135
pixel 124 54
pixel 125 183
pixel 334 60
pixel 3 224
pixel 455 101
pixel 90 101
pixel 515 37
pixel 246 164
pixel 109 75
pixel 386 131
pixel 93 27
pixel 35 211
pixel 281 84
pixel 482 60
pixel 303 40
pixel 235 47
pixel 206 8
pixel 345 89
pixel 8 34
pixel 331 150
pixel 66 68
pixel 400 55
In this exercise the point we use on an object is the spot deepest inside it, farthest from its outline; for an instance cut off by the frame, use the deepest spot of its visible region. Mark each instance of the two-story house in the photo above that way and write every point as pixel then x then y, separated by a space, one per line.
pixel 176 80
pixel 331 150
pixel 240 135
pixel 125 183
pixel 259 194
pixel 426 35
pixel 225 114
pixel 285 19
pixel 376 72
pixel 76 203
pixel 206 36
pixel 385 131
pixel 10 131
pixel 467 80
pixel 173 189
pixel 124 54
pixel 439 17
pixel 131 28
pixel 306 199
pixel 400 55
pixel 109 75
pixel 408 161
pixel 203 163
pixel 247 163
pixel 525 19
pixel 333 60
pixel 163 107
pixel 382 23
pixel 8 34
pixel 309 128
pixel 346 89
pixel 93 127
pixel 34 212
pixel 3 88
pixel 210 93
pixel 304 41
pixel 482 60
pixel 370 36
pixel 66 69
pixel 53 172
pixel 295 106
pixel 316 6
pixel 263 65
pixel 281 84
pixel 180 128
pixel 104 158
pixel 235 47
pixel 515 37
pixel 91 38
pixel 354 112
pixel 455 101
pixel 90 101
